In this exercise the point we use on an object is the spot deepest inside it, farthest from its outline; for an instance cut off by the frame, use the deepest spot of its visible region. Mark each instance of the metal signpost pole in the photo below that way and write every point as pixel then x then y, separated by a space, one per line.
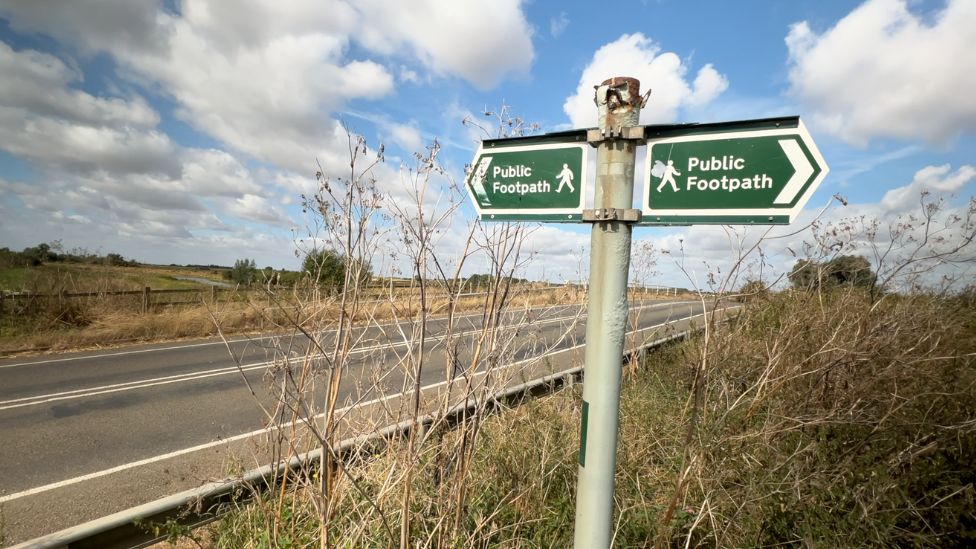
pixel 619 102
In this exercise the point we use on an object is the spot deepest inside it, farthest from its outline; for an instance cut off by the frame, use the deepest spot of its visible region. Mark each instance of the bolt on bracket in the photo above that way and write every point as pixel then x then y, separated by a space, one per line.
pixel 612 214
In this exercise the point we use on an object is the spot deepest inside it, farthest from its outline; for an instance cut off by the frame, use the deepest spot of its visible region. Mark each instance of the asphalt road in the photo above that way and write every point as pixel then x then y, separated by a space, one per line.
pixel 87 434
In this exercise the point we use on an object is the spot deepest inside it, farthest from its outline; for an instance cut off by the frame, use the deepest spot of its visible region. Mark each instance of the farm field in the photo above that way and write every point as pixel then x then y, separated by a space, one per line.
pixel 31 319
pixel 82 277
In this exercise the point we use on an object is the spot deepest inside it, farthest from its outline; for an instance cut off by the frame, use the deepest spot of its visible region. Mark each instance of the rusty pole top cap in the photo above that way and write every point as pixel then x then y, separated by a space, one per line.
pixel 621 90
pixel 617 80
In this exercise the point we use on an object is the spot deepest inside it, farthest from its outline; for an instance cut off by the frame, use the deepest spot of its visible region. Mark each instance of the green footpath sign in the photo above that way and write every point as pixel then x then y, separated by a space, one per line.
pixel 544 182
pixel 762 176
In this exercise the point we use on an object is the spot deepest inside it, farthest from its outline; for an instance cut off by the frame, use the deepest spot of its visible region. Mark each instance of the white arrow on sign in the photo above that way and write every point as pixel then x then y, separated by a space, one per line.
pixel 478 181
pixel 803 171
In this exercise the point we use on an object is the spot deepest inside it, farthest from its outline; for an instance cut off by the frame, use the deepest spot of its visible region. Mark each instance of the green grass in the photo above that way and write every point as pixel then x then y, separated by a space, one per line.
pixel 77 277
pixel 13 278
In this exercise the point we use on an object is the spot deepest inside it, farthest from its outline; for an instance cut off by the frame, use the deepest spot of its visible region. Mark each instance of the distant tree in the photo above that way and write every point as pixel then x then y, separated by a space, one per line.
pixel 853 270
pixel 244 272
pixel 477 281
pixel 482 281
pixel 38 254
pixel 327 268
pixel 845 270
pixel 288 278
pixel 806 274
pixel 752 290
pixel 116 259
pixel 9 258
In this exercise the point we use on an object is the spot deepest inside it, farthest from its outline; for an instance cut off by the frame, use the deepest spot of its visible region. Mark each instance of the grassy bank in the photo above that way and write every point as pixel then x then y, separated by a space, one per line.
pixel 816 420
pixel 85 277
pixel 51 323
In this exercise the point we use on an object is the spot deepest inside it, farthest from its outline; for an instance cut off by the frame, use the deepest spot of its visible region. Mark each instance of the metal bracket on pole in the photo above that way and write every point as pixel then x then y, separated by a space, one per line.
pixel 612 214
pixel 596 136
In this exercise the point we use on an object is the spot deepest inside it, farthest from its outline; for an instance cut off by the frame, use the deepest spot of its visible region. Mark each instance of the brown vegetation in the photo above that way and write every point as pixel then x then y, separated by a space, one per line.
pixel 857 430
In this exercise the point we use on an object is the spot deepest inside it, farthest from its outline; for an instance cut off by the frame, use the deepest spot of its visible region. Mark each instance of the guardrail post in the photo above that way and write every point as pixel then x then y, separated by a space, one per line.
pixel 145 300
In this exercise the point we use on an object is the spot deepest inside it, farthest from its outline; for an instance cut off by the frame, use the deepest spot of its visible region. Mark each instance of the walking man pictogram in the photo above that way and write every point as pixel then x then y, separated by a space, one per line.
pixel 668 177
pixel 565 178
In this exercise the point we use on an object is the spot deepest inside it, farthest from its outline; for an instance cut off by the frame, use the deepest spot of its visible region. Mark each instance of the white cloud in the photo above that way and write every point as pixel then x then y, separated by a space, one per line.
pixel 44 120
pixel 271 100
pixel 558 25
pixel 38 82
pixel 708 85
pixel 639 57
pixel 884 71
pixel 551 242
pixel 407 137
pixel 481 42
pixel 73 147
pixel 105 170
pixel 259 208
pixel 262 77
pixel 295 185
pixel 211 172
pixel 91 26
pixel 409 75
pixel 930 179
pixel 235 27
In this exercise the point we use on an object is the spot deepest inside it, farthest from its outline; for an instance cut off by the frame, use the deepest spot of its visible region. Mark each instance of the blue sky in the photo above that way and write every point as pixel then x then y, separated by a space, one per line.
pixel 185 132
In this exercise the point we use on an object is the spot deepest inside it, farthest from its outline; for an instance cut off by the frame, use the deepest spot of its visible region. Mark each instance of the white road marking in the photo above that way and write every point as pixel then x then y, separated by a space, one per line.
pixel 192 376
pixel 211 343
pixel 204 446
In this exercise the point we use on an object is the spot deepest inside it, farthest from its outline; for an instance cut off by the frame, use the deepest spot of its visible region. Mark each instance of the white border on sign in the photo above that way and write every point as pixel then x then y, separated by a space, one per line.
pixel 800 130
pixel 584 180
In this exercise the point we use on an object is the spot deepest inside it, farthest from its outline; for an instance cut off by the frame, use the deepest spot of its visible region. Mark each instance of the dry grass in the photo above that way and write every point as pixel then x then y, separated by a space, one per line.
pixel 82 277
pixel 832 420
pixel 821 421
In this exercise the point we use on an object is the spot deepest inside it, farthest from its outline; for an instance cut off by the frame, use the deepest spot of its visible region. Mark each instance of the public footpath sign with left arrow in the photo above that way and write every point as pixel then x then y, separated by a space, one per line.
pixel 540 182
pixel 731 174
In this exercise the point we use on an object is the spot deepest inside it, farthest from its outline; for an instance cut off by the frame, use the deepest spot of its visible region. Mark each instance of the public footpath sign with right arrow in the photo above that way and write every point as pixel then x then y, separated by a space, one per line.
pixel 731 175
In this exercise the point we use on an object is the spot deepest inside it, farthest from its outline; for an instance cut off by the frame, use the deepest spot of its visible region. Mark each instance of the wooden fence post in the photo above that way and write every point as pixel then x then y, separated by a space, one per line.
pixel 213 295
pixel 145 299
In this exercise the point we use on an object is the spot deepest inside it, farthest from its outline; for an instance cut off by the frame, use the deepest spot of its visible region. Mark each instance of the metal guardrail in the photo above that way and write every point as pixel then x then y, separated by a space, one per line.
pixel 199 506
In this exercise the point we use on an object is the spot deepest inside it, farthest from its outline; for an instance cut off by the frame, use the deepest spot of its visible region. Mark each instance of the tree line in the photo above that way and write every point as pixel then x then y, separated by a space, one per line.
pixel 324 268
pixel 33 256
